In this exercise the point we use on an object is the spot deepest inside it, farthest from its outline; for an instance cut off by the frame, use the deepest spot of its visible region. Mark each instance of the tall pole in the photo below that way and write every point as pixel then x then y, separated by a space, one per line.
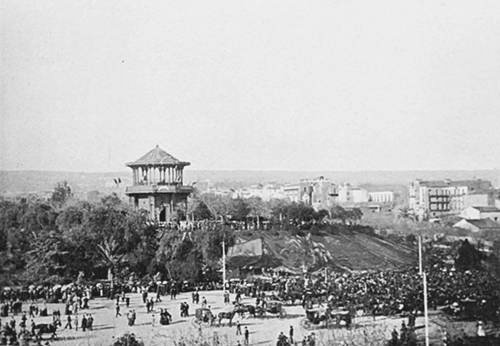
pixel 420 255
pixel 426 316
pixel 223 266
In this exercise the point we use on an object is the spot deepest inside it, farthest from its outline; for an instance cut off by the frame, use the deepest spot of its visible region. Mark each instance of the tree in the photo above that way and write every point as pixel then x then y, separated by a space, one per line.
pixel 354 215
pixel 258 210
pixel 112 232
pixel 338 213
pixel 321 214
pixel 468 257
pixel 48 259
pixel 178 257
pixel 202 212
pixel 61 194
pixel 239 209
pixel 218 205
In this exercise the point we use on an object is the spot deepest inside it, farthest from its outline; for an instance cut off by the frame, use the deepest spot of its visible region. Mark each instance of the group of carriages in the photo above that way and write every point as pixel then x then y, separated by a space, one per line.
pixel 267 309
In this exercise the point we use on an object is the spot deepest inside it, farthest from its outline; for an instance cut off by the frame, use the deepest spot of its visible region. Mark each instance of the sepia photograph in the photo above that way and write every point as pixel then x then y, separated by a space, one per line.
pixel 237 173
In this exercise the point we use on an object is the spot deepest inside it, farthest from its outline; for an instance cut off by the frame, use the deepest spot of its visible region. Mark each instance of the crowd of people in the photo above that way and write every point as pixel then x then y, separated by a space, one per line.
pixel 399 292
pixel 17 331
pixel 474 293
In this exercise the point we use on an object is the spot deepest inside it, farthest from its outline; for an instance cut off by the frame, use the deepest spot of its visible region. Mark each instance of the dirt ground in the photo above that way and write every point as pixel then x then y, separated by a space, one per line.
pixel 263 331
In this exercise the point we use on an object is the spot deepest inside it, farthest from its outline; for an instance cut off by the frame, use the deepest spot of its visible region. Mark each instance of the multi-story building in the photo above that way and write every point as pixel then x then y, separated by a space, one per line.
pixel 291 192
pixel 436 198
pixel 265 192
pixel 320 193
pixel 381 197
pixel 348 194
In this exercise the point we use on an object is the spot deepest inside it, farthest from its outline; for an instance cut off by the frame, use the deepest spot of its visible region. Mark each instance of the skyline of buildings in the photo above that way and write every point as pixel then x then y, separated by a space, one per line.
pixel 428 199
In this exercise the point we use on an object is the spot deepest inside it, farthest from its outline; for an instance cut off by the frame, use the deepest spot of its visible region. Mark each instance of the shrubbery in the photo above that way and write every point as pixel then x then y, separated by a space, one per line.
pixel 128 339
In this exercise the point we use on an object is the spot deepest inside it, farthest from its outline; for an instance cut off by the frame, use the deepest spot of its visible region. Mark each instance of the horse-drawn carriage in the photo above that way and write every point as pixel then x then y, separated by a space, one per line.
pixel 47 328
pixel 325 317
pixel 273 307
pixel 204 316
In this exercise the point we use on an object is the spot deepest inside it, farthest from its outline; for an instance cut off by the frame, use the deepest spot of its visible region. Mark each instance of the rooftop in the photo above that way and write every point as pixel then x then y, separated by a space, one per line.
pixel 488 209
pixel 484 224
pixel 477 184
pixel 157 157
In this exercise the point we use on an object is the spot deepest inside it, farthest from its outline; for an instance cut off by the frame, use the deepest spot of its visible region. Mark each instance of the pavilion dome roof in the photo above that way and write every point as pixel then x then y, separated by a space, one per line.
pixel 157 157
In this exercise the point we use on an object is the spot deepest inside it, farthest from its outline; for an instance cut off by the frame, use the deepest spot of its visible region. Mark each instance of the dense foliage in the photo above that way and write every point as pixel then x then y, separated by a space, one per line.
pixel 56 240
pixel 60 239
pixel 128 340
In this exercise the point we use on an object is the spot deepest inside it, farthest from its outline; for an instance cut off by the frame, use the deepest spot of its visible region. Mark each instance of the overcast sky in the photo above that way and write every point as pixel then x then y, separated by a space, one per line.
pixel 291 85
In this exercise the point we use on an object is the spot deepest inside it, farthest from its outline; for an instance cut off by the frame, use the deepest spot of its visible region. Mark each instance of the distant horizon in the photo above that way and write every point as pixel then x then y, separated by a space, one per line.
pixel 37 180
pixel 265 170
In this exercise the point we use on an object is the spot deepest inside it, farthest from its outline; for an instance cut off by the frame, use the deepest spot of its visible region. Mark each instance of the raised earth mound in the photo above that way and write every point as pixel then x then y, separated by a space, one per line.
pixel 344 250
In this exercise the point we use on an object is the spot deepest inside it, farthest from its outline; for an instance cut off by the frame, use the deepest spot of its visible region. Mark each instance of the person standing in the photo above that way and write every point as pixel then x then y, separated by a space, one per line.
pixel 151 304
pixel 118 309
pixel 238 328
pixel 84 322
pixel 247 336
pixel 68 322
pixel 291 334
pixel 90 322
pixel 480 329
pixel 33 327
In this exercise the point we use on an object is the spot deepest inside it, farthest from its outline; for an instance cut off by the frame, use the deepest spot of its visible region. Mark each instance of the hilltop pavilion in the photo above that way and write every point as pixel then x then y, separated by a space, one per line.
pixel 157 184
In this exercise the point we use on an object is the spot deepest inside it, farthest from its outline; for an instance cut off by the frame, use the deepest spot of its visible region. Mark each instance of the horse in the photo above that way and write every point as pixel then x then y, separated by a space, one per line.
pixel 242 309
pixel 47 328
pixel 226 315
